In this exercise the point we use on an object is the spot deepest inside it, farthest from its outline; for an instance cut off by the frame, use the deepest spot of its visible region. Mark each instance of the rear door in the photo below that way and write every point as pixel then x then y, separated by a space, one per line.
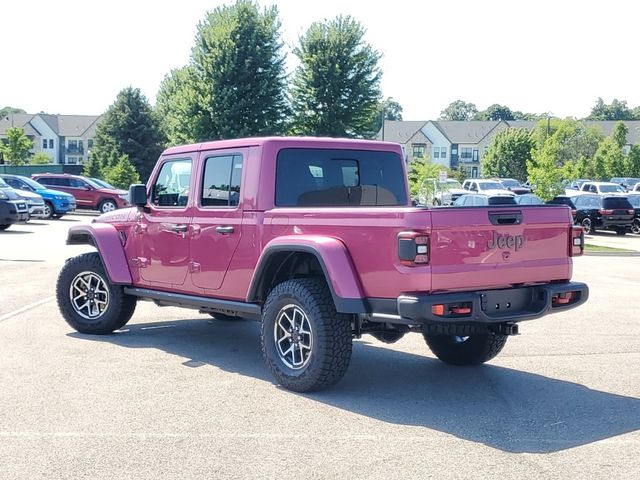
pixel 217 222
pixel 494 247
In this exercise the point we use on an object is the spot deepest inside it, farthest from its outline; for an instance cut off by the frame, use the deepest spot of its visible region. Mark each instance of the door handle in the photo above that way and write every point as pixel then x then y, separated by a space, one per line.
pixel 225 230
pixel 178 228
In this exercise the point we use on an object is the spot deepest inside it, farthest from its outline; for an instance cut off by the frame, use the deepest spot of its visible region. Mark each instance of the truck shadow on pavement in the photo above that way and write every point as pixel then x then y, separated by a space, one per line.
pixel 502 408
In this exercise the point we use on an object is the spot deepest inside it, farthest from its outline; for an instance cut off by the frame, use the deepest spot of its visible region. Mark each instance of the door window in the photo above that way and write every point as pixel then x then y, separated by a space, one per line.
pixel 171 188
pixel 221 181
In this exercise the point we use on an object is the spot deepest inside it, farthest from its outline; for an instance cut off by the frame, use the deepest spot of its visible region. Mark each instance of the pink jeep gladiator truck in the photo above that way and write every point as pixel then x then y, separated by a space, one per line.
pixel 319 241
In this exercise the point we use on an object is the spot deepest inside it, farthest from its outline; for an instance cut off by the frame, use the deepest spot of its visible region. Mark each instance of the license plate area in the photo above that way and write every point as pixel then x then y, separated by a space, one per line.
pixel 496 303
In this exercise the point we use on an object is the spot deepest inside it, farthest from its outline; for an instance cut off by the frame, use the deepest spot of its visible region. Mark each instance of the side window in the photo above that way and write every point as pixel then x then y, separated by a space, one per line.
pixel 13 183
pixel 221 181
pixel 75 183
pixel 473 187
pixel 171 188
pixel 63 182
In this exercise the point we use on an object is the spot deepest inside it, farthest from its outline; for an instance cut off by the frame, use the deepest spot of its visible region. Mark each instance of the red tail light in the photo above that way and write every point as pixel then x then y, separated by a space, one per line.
pixel 413 248
pixel 605 211
pixel 576 235
pixel 573 213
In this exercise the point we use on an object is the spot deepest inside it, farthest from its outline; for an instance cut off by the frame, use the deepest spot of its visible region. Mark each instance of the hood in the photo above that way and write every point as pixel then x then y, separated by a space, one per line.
pixel 29 195
pixel 497 193
pixel 457 191
pixel 47 191
pixel 11 193
pixel 118 216
pixel 113 191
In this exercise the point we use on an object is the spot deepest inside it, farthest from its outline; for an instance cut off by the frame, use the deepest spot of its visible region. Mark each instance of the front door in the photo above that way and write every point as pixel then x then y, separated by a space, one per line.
pixel 163 228
pixel 217 218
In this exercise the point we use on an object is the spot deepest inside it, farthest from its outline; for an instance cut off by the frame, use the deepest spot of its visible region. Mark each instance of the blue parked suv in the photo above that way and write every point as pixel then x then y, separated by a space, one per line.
pixel 56 203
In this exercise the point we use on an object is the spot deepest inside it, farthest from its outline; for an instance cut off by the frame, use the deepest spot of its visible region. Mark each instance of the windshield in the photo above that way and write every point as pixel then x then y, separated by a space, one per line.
pixel 32 183
pixel 102 183
pixel 612 189
pixel 451 184
pixel 509 182
pixel 490 186
pixel 3 184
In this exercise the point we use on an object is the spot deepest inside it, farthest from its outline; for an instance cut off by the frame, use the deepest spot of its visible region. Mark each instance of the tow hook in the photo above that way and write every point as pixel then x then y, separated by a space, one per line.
pixel 505 329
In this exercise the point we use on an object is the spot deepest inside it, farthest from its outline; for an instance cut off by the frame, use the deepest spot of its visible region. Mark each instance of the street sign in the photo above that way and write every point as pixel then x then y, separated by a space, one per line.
pixel 442 177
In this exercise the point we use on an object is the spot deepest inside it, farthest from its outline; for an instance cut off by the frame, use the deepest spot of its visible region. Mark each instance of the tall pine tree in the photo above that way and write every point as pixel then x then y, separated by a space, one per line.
pixel 129 127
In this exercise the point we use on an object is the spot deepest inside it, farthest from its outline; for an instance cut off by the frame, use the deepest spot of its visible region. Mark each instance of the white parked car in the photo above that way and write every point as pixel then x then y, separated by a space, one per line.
pixel 602 188
pixel 491 188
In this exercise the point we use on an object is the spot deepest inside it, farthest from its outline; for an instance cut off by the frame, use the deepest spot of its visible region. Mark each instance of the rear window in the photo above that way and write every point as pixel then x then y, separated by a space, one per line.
pixel 324 177
pixel 562 201
pixel 612 203
pixel 502 201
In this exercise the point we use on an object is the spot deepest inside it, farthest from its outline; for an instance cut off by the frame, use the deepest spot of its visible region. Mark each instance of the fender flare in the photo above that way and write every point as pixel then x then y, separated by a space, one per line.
pixel 106 239
pixel 334 259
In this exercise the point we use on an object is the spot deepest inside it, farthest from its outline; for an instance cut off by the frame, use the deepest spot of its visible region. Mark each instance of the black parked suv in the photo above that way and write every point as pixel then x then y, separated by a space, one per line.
pixel 565 200
pixel 634 200
pixel 604 213
pixel 13 208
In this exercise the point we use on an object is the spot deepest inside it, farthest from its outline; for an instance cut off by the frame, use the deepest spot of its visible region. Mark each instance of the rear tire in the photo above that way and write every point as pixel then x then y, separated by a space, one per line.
pixel 87 300
pixel 635 227
pixel 305 343
pixel 471 350
pixel 107 206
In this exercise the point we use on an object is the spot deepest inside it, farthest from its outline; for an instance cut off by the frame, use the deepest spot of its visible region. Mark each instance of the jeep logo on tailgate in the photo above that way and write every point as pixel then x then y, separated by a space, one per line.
pixel 506 241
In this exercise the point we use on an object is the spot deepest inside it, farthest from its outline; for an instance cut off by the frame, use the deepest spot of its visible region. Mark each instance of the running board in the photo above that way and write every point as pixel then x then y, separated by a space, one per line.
pixel 206 304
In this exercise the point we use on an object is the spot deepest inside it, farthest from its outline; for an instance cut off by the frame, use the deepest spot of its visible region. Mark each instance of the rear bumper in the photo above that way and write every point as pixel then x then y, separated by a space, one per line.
pixel 492 306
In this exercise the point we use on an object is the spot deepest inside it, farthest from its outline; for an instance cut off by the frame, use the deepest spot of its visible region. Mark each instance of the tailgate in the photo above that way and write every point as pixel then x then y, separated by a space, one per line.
pixel 496 247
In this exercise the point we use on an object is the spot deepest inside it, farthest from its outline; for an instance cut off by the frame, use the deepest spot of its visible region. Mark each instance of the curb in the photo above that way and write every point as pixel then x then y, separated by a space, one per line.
pixel 611 254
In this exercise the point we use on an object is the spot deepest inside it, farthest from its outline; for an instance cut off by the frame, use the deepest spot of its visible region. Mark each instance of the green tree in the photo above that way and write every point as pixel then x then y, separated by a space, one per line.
pixel 507 154
pixel 459 110
pixel 179 106
pixel 620 133
pixel 634 162
pixel 40 158
pixel 495 112
pixel 570 138
pixel 16 146
pixel 123 174
pixel 609 161
pixel 336 87
pixel 545 175
pixel 390 109
pixel 239 75
pixel 617 110
pixel 93 167
pixel 9 110
pixel 129 127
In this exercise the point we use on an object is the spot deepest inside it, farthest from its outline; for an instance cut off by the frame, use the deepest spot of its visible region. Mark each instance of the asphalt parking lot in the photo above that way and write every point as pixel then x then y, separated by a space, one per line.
pixel 179 395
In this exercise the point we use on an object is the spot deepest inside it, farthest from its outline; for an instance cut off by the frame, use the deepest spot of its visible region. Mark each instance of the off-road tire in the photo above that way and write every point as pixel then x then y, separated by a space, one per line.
pixel 474 350
pixel 4 226
pixel 120 306
pixel 331 333
pixel 101 207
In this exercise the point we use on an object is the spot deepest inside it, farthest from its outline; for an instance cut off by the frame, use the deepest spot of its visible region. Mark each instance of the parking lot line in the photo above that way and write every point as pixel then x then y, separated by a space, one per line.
pixel 26 307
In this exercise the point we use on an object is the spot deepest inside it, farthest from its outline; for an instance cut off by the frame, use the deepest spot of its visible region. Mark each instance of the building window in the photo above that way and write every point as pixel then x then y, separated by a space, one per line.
pixel 439 152
pixel 466 152
pixel 419 150
pixel 50 143
pixel 475 155
pixel 90 143
pixel 44 143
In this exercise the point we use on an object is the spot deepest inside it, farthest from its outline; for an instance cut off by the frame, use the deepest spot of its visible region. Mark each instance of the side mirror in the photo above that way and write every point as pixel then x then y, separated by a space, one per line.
pixel 138 195
pixel 87 188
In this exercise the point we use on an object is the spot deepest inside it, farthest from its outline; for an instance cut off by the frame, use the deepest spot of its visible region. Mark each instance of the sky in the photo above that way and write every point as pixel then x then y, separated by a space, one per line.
pixel 73 57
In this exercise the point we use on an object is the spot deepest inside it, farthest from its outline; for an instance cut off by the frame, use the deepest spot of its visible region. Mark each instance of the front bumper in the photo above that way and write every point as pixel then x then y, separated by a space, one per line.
pixel 64 206
pixel 36 211
pixel 492 306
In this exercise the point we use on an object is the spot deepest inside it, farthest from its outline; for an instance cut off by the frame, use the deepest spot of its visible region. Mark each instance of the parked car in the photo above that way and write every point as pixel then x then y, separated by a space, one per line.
pixel 476 200
pixel 602 188
pixel 634 200
pixel 102 183
pixel 565 200
pixel 528 199
pixel 88 194
pixel 445 193
pixel 577 184
pixel 625 182
pixel 34 202
pixel 513 185
pixel 596 212
pixel 13 209
pixel 56 203
pixel 486 187
pixel 636 188
pixel 256 233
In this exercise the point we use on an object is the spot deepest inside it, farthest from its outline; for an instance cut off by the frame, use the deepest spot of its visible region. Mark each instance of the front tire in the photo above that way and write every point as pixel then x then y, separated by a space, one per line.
pixel 87 300
pixel 107 206
pixel 471 350
pixel 49 211
pixel 305 343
